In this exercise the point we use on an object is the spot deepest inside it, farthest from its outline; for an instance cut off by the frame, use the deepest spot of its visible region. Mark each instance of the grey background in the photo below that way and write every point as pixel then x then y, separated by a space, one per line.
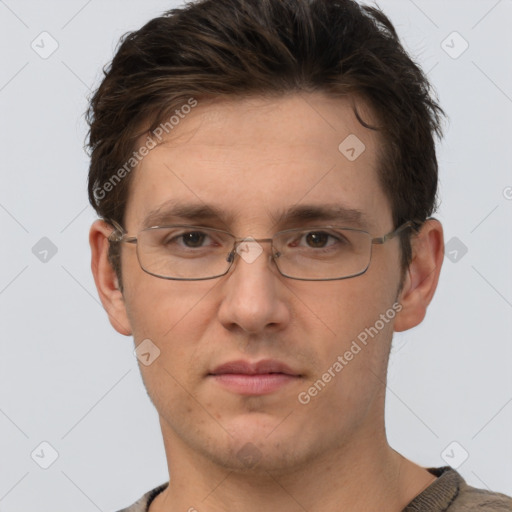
pixel 69 379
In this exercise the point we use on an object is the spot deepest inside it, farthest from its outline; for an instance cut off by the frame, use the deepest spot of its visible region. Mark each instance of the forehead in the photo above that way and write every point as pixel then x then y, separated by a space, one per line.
pixel 256 158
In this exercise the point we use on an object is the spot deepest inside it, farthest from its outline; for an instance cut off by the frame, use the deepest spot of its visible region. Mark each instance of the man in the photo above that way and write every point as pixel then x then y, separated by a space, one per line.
pixel 265 173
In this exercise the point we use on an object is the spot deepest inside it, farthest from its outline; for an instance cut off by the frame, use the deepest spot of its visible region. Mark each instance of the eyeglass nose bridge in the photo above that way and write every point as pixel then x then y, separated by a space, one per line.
pixel 249 249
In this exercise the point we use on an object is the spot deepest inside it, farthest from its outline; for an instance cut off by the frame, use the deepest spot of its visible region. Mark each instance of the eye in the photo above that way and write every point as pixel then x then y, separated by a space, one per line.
pixel 176 239
pixel 317 239
pixel 193 238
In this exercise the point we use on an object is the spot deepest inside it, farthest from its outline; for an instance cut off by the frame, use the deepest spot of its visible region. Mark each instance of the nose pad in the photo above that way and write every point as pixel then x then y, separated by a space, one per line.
pixel 249 249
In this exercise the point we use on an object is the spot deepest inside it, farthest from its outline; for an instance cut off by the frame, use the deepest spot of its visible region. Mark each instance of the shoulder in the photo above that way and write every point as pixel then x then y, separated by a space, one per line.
pixel 472 499
pixel 450 493
pixel 142 504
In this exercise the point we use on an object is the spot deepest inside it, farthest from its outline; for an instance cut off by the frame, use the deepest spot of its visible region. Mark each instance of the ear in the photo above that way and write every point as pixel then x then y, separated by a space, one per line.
pixel 422 276
pixel 105 278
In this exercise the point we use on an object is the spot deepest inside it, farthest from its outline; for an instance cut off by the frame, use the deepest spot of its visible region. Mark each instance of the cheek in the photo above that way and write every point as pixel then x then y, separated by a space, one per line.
pixel 355 321
pixel 174 316
pixel 346 307
pixel 162 308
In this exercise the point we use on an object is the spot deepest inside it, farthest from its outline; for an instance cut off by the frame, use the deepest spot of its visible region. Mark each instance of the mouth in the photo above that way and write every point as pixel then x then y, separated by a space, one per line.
pixel 259 378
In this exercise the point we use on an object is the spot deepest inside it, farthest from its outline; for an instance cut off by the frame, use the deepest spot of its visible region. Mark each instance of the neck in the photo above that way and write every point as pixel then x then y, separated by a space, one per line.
pixel 363 474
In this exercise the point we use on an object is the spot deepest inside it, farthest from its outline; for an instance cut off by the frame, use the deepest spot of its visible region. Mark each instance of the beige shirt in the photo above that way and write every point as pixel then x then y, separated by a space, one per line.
pixel 449 492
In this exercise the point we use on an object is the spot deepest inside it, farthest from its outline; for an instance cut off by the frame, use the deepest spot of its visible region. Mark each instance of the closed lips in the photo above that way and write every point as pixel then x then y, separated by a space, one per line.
pixel 258 368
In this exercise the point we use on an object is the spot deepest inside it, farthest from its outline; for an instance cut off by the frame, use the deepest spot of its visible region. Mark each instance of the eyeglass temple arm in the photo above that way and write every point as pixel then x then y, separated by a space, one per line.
pixel 119 234
pixel 400 229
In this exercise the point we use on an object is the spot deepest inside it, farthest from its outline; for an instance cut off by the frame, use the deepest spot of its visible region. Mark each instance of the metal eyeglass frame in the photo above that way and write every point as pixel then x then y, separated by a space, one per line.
pixel 119 235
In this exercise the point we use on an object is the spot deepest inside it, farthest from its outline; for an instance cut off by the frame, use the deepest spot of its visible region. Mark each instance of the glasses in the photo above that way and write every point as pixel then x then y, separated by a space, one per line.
pixel 191 253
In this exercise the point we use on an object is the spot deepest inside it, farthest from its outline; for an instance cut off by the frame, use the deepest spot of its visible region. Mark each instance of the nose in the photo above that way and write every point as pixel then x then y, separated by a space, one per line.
pixel 254 297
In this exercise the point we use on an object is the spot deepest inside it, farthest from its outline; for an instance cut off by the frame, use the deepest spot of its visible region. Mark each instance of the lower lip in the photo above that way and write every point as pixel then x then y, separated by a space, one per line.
pixel 261 384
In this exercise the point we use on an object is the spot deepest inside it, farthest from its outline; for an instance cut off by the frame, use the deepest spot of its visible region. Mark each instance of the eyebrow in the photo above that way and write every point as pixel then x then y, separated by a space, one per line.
pixel 174 211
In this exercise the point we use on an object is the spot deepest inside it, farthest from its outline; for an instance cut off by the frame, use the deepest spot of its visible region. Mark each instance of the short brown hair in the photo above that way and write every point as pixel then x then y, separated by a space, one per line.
pixel 236 48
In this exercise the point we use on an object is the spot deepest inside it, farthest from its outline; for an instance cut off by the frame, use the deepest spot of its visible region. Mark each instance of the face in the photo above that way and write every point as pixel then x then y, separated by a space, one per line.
pixel 253 160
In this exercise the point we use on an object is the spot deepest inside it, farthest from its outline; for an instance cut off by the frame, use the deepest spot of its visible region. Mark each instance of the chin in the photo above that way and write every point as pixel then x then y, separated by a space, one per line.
pixel 262 444
pixel 255 457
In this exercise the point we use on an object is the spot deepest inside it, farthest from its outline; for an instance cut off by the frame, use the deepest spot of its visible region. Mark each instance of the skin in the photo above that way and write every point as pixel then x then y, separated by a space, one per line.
pixel 253 157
